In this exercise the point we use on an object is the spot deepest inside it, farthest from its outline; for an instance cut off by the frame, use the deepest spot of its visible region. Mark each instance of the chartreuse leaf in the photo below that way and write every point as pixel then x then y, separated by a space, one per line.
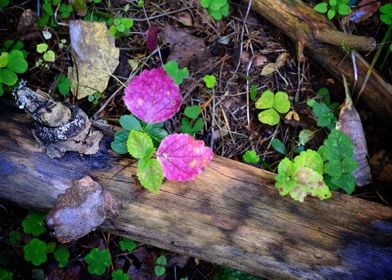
pixel 302 177
pixel 321 7
pixel 35 251
pixel 98 260
pixel 119 275
pixel 150 174
pixel 275 104
pixel 3 59
pixel 269 116
pixel 139 145
pixel 210 81
pixel 178 75
pixel 266 100
pixel 62 256
pixel 251 156
pixel 311 159
pixel 128 245
pixel 34 223
pixel 281 102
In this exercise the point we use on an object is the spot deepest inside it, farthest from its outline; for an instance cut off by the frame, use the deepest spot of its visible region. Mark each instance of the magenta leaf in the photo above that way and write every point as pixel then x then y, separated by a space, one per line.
pixel 152 38
pixel 152 96
pixel 182 157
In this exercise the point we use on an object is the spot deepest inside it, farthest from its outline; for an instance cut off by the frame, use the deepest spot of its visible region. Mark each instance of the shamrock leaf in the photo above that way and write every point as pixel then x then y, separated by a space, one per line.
pixel 62 255
pixel 182 157
pixel 98 260
pixel 127 245
pixel 210 81
pixel 251 156
pixel 119 275
pixel 35 251
pixel 176 73
pixel 34 224
pixel 275 104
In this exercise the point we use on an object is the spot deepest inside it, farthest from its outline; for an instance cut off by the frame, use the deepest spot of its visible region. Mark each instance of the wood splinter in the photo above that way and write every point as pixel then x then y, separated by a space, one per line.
pixel 57 126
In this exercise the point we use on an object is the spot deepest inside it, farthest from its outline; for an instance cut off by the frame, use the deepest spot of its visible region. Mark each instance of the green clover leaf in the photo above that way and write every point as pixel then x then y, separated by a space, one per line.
pixel 62 256
pixel 251 156
pixel 35 251
pixel 177 74
pixel 98 260
pixel 210 81
pixel 34 223
pixel 128 245
pixel 119 275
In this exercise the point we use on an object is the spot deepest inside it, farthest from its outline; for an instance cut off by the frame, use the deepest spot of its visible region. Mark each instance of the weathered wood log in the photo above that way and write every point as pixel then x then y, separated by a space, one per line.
pixel 231 214
pixel 308 28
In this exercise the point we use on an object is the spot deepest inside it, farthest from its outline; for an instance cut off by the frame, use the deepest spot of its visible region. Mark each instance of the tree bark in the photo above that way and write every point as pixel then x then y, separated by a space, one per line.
pixel 231 214
pixel 308 28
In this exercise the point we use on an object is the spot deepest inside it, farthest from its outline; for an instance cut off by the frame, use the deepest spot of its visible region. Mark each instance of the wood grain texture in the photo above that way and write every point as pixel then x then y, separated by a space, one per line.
pixel 230 215
pixel 300 23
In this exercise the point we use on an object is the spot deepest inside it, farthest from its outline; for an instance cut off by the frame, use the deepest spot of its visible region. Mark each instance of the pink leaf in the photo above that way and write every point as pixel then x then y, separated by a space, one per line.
pixel 152 96
pixel 182 157
pixel 152 38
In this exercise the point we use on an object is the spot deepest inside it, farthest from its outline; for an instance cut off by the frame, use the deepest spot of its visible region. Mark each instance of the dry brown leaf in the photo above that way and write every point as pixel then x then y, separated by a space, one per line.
pixel 350 123
pixel 184 47
pixel 185 18
pixel 96 57
pixel 272 67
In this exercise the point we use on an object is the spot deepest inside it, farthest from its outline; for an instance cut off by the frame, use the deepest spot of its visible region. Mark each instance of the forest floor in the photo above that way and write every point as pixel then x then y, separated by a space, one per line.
pixel 235 50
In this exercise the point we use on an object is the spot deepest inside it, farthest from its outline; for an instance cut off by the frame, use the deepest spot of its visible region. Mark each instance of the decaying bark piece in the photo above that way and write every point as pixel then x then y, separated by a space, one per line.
pixel 58 127
pixel 80 210
pixel 304 25
pixel 230 215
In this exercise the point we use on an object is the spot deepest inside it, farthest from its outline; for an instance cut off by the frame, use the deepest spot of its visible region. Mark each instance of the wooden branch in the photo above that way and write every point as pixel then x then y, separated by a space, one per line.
pixel 302 24
pixel 231 214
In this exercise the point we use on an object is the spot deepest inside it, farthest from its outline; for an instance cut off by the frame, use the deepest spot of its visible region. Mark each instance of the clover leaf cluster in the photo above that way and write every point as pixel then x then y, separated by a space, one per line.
pixel 274 104
pixel 11 64
pixel 337 153
pixel 216 8
pixel 334 7
pixel 120 26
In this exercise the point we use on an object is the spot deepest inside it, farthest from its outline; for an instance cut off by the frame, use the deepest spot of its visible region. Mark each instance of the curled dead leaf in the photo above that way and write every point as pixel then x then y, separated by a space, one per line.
pixel 350 123
pixel 273 67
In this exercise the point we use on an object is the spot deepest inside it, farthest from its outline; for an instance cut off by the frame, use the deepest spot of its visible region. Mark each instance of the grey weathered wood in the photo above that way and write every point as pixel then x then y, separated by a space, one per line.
pixel 230 215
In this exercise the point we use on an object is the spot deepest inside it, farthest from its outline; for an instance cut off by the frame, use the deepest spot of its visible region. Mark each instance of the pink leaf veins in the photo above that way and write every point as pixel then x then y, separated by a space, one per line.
pixel 152 96
pixel 182 157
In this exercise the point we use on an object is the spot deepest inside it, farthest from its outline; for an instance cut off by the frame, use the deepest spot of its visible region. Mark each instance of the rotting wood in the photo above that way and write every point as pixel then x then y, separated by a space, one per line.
pixel 231 214
pixel 304 25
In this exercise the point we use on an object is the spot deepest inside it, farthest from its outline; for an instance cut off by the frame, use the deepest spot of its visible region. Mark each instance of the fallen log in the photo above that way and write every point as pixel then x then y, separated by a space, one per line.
pixel 312 31
pixel 231 214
